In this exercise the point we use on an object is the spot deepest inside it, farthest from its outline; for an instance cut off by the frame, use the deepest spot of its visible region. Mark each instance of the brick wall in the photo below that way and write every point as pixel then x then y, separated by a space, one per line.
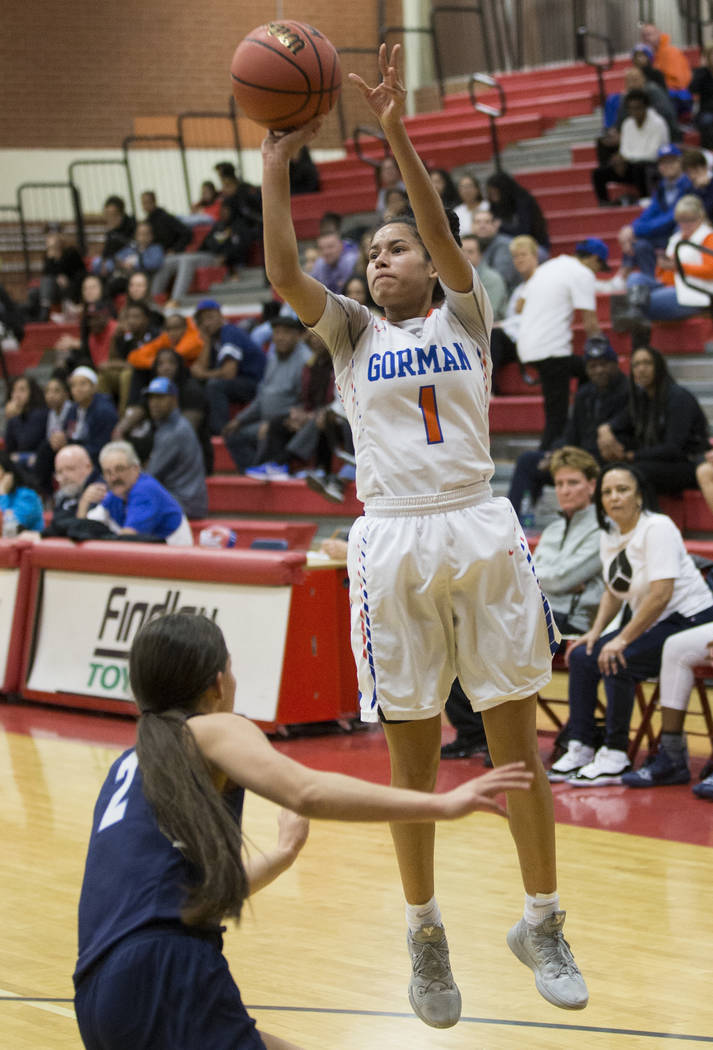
pixel 77 75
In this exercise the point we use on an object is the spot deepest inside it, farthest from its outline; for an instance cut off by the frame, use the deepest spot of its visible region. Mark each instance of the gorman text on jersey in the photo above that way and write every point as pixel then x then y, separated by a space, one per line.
pixel 417 361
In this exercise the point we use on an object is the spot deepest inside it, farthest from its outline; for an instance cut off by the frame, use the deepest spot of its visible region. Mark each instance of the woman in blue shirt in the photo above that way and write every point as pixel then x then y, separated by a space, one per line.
pixel 17 497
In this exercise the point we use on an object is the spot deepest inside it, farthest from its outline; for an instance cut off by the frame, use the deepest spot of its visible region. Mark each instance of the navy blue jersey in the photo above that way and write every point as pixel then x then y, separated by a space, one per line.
pixel 134 876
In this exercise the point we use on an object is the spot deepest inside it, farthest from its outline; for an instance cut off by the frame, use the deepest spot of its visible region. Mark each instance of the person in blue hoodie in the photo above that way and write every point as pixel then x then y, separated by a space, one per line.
pixel 652 229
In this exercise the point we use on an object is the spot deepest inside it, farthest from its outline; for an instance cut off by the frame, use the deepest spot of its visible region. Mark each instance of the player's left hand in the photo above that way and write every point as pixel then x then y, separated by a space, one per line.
pixel 388 99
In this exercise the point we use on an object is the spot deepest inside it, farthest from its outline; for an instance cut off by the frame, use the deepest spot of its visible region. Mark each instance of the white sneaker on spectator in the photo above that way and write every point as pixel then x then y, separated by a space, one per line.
pixel 605 768
pixel 576 756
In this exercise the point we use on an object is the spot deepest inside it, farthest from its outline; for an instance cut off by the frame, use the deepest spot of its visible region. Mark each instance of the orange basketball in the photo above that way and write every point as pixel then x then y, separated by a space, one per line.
pixel 284 74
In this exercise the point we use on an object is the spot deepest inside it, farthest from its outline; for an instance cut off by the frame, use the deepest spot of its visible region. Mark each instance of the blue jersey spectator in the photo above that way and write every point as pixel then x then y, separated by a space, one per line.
pixel 232 364
pixel 135 503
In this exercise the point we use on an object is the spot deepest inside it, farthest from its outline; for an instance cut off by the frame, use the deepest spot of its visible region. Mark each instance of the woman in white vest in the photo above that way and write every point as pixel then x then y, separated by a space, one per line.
pixel 671 298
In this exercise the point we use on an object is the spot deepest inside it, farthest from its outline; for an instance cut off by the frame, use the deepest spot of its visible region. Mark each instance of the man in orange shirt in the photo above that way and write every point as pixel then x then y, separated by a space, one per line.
pixel 180 333
pixel 669 59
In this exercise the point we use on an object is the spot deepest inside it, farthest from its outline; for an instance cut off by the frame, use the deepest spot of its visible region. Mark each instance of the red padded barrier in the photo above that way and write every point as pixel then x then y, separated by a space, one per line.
pixel 161 562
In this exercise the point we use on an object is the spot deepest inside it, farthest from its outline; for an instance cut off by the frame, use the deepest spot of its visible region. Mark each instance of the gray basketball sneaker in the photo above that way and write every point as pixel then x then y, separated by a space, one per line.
pixel 544 949
pixel 432 992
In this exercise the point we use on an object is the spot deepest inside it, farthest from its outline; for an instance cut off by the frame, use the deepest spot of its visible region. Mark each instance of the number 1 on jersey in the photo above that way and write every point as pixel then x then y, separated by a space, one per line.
pixel 429 410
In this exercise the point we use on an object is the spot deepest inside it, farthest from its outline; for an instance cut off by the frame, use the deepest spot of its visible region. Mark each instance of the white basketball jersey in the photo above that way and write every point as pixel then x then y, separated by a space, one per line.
pixel 416 393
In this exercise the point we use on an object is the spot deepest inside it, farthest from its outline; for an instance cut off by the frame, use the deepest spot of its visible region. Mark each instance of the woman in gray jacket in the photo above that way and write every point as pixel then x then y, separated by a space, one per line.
pixel 567 557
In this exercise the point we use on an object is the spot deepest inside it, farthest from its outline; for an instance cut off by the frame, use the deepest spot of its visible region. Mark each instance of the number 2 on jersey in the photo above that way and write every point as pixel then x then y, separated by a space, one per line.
pixel 429 411
pixel 117 803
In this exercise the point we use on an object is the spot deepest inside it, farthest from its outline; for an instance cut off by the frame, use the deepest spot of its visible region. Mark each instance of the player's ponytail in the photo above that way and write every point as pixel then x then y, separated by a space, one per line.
pixel 173 661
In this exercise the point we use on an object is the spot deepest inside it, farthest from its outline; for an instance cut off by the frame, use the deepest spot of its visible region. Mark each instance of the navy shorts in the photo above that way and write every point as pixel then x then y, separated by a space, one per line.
pixel 163 988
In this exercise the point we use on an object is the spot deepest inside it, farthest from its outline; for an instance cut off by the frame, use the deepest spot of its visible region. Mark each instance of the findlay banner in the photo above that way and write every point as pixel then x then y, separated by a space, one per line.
pixel 8 595
pixel 87 622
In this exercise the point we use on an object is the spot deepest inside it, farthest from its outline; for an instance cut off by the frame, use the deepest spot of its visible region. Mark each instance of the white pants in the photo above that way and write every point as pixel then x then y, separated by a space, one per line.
pixel 681 653
pixel 444 594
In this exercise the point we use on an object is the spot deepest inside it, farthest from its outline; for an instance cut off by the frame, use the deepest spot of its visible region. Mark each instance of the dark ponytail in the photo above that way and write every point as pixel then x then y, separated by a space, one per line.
pixel 173 661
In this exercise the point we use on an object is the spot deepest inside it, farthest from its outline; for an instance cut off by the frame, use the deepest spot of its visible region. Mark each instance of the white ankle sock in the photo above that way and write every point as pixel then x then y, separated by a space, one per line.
pixel 540 907
pixel 428 914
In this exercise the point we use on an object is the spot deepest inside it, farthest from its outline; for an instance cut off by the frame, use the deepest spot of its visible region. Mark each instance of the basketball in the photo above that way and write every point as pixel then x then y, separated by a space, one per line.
pixel 284 74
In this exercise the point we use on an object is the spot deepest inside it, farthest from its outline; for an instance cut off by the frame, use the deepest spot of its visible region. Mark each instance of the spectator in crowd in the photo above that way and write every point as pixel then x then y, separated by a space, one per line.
pixel 176 456
pixel 59 405
pixel 141 254
pixel 666 296
pixel 643 58
pixel 135 424
pixel 97 327
pixel 656 223
pixel 646 565
pixel 119 229
pixel 662 430
pixel 701 87
pixel 63 271
pixel 192 400
pixel 643 133
pixel 278 392
pixel 226 240
pixel 357 288
pixel 231 363
pixel 491 279
pixel 557 290
pixel 134 504
pixel 695 166
pixel 566 558
pixel 601 398
pixel 304 177
pixel 337 259
pixel 12 318
pixel 615 112
pixel 396 203
pixel 670 60
pixel 205 210
pixel 515 209
pixel 179 332
pixel 92 416
pixel 471 197
pixel 503 338
pixel 138 290
pixel 134 328
pixel 495 247
pixel 26 420
pixel 17 496
pixel 444 186
pixel 388 177
pixel 682 652
pixel 74 473
pixel 245 203
pixel 308 432
pixel 168 230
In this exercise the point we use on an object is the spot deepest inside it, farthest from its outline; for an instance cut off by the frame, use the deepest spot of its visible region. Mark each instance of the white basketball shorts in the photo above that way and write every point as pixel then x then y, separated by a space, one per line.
pixel 442 594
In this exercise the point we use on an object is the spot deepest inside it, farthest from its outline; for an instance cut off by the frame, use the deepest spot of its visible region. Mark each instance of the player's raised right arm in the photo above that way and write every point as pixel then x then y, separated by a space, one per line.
pixel 282 262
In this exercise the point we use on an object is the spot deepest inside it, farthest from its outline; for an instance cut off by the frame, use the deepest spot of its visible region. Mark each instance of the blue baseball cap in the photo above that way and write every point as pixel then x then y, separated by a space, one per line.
pixel 207 304
pixel 671 150
pixel 162 385
pixel 598 348
pixel 593 246
pixel 648 51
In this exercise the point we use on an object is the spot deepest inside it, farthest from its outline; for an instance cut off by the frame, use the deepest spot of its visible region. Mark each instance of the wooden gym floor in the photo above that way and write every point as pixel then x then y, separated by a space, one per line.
pixel 320 956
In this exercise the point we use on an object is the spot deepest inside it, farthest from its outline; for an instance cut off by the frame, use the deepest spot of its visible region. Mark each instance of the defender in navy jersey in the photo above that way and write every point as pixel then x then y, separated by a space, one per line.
pixel 164 864
pixel 441 580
